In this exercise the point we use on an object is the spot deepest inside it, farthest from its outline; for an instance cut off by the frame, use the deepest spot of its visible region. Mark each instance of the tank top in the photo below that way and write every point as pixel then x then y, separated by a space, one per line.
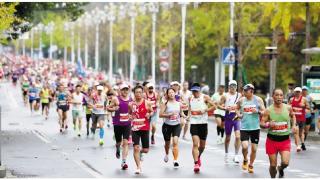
pixel 299 112
pixel 62 99
pixel 140 121
pixel 173 107
pixel 308 114
pixel 33 93
pixel 184 100
pixel 250 121
pixel 231 101
pixel 216 97
pixel 25 85
pixel 45 96
pixel 77 98
pixel 153 101
pixel 196 106
pixel 99 103
pixel 282 121
pixel 121 117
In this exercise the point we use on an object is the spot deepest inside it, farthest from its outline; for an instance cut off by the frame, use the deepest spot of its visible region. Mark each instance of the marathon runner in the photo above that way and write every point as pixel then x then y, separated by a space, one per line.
pixel 299 105
pixel 98 104
pixel 172 113
pixel 121 123
pixel 219 113
pixel 153 98
pixel 278 118
pixel 185 95
pixel 230 101
pixel 63 99
pixel 309 113
pixel 45 95
pixel 25 85
pixel 77 101
pixel 39 87
pixel 249 109
pixel 88 109
pixel 198 112
pixel 32 92
pixel 140 111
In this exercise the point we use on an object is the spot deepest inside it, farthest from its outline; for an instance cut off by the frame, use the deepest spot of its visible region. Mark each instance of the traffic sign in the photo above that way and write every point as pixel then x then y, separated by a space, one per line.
pixel 164 53
pixel 164 66
pixel 228 55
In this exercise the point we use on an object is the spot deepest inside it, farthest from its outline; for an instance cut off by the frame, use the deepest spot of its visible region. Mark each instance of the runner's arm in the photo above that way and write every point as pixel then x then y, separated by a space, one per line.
pixel 221 103
pixel 262 107
pixel 264 123
pixel 149 109
pixel 306 104
pixel 209 101
pixel 114 106
pixel 293 119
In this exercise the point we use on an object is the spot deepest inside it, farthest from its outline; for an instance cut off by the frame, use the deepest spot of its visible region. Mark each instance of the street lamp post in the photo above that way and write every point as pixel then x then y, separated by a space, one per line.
pixel 183 35
pixel 50 31
pixel 153 7
pixel 97 19
pixel 87 22
pixel 72 42
pixel 40 27
pixel 66 28
pixel 78 40
pixel 32 36
pixel 132 14
pixel 111 18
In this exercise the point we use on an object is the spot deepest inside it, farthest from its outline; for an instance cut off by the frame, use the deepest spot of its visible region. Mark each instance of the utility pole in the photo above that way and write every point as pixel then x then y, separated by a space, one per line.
pixel 308 25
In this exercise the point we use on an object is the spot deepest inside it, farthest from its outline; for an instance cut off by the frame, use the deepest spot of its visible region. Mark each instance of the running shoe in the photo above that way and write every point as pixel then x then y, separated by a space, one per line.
pixel 281 172
pixel 226 157
pixel 60 130
pixel 124 166
pixel 152 139
pixel 199 162
pixel 101 142
pixel 66 127
pixel 138 171
pixel 79 135
pixel 236 159
pixel 118 153
pixel 87 132
pixel 303 147
pixel 298 149
pixel 196 168
pixel 245 165
pixel 166 158
pixel 175 164
pixel 250 169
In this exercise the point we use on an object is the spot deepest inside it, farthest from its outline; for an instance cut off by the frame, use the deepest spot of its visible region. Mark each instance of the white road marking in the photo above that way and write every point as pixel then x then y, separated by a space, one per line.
pixel 41 137
pixel 90 171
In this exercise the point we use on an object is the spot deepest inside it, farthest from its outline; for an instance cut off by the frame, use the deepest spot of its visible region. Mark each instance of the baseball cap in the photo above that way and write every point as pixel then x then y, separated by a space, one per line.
pixel 123 85
pixel 150 85
pixel 100 88
pixel 305 88
pixel 195 87
pixel 233 82
pixel 297 89
pixel 174 83
pixel 248 86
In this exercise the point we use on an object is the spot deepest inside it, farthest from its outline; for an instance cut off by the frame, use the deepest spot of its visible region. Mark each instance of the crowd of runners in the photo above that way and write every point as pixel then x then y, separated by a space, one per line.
pixel 134 110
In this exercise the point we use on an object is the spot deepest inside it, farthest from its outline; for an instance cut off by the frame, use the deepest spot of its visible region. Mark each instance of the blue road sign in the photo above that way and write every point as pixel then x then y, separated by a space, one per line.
pixel 228 55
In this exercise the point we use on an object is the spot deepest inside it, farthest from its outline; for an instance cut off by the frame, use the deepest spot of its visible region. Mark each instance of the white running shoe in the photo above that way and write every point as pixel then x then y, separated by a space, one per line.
pixel 226 157
pixel 166 158
pixel 138 171
pixel 236 159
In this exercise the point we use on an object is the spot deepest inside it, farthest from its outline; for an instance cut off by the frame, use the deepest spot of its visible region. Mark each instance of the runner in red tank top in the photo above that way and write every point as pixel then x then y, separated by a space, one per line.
pixel 140 110
pixel 153 97
pixel 299 105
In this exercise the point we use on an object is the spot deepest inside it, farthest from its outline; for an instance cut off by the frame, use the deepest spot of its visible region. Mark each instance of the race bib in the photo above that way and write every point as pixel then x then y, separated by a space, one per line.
pixel 124 117
pixel 138 123
pixel 196 113
pixel 99 106
pixel 232 108
pixel 174 118
pixel 184 106
pixel 297 110
pixel 62 102
pixel 248 109
pixel 153 104
pixel 32 94
pixel 280 127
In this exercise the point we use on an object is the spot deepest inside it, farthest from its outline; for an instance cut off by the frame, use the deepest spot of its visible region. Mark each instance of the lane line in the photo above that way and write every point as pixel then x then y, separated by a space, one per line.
pixel 92 171
pixel 40 136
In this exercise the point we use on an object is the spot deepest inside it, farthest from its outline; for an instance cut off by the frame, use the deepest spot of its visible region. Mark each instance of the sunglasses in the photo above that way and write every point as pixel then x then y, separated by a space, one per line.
pixel 150 88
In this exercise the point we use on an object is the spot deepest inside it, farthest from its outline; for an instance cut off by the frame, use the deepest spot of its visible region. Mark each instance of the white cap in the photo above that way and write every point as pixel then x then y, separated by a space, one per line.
pixel 174 83
pixel 297 89
pixel 100 88
pixel 233 82
pixel 96 83
pixel 149 85
pixel 124 85
pixel 115 87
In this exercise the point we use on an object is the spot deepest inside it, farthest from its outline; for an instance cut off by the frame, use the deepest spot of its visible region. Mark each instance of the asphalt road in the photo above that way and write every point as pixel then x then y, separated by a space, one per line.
pixel 33 147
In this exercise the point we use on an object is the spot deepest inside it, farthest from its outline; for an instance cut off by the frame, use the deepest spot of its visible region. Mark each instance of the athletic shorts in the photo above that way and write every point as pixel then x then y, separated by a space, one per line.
pixel 38 100
pixel 301 124
pixel 200 130
pixel 121 132
pixel 186 113
pixel 76 114
pixel 253 135
pixel 309 120
pixel 64 108
pixel 24 92
pixel 31 101
pixel 219 116
pixel 44 105
pixel 97 117
pixel 143 135
pixel 88 116
pixel 229 123
pixel 273 147
pixel 169 131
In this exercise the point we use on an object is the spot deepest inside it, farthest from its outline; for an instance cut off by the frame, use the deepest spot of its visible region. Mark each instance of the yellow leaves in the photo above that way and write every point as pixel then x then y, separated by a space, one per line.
pixel 7 15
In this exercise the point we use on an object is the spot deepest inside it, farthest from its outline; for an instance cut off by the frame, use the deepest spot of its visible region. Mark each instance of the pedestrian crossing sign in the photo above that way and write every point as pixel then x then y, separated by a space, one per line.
pixel 228 55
